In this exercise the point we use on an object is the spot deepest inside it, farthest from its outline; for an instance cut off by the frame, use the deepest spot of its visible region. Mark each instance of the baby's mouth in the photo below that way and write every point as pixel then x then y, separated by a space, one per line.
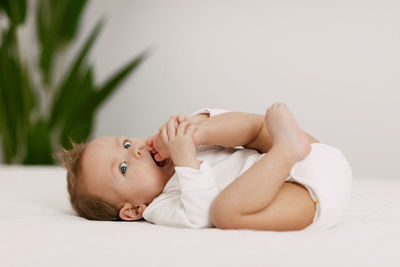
pixel 159 164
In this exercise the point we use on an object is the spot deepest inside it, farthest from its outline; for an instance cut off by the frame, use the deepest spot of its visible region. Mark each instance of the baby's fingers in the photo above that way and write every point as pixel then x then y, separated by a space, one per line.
pixel 182 117
pixel 164 134
pixel 181 128
pixel 149 141
pixel 191 129
pixel 158 157
pixel 166 124
pixel 171 127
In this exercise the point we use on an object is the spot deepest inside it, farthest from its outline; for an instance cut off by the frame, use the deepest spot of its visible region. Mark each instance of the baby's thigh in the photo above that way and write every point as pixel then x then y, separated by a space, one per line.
pixel 291 209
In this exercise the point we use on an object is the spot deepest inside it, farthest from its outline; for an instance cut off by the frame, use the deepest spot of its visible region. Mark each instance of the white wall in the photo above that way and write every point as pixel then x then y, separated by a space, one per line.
pixel 335 63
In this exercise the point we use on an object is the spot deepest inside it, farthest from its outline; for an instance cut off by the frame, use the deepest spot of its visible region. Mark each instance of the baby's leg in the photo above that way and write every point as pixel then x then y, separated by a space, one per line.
pixel 259 198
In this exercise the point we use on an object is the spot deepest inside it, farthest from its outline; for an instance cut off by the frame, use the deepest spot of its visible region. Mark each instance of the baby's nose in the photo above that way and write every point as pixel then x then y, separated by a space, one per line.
pixel 138 151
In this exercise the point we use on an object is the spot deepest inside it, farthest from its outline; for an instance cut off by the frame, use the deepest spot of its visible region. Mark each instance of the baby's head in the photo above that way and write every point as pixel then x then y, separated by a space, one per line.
pixel 113 178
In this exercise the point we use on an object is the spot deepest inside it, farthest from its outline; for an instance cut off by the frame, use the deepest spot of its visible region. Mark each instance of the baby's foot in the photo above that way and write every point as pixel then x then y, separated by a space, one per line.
pixel 286 133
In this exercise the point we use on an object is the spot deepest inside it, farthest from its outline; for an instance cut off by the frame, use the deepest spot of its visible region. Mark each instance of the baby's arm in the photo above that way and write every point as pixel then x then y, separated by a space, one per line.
pixel 189 206
pixel 229 129
pixel 233 129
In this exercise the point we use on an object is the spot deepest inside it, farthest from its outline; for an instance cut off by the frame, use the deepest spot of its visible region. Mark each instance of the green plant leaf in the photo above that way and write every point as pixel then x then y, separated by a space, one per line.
pixel 112 83
pixel 15 10
pixel 78 125
pixel 28 136
pixel 17 99
pixel 57 24
pixel 8 106
pixel 79 122
pixel 67 90
pixel 72 15
pixel 78 130
pixel 38 144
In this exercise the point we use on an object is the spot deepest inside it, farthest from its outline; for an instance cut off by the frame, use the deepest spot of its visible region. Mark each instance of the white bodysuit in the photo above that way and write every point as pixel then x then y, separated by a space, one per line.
pixel 186 198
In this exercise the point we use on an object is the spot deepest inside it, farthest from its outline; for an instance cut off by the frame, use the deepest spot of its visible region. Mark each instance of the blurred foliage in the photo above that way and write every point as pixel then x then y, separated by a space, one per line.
pixel 29 134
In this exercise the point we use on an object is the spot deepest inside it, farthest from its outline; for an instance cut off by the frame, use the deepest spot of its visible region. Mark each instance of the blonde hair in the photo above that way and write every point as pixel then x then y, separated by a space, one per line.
pixel 86 205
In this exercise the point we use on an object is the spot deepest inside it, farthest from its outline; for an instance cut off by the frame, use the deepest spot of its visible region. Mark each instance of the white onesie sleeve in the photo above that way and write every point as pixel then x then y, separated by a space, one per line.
pixel 189 206
pixel 211 111
pixel 188 203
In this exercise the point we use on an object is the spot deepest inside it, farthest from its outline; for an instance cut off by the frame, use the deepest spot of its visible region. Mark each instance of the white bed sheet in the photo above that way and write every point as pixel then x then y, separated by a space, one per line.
pixel 38 228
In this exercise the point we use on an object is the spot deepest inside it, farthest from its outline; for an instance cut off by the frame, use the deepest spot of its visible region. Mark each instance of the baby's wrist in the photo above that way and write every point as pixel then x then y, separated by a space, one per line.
pixel 199 136
pixel 195 164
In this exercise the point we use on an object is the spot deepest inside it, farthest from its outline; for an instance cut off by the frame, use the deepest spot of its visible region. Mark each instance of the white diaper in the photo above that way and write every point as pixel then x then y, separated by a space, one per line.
pixel 327 175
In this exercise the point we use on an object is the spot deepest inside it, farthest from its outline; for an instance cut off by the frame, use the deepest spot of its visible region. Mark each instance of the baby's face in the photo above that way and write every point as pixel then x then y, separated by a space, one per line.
pixel 113 170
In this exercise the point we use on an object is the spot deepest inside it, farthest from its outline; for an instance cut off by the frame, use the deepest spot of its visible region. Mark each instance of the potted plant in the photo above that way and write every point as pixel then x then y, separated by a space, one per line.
pixel 30 130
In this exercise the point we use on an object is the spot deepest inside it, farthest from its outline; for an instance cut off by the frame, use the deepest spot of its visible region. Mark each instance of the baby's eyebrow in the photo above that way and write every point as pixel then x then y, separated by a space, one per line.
pixel 117 141
pixel 112 167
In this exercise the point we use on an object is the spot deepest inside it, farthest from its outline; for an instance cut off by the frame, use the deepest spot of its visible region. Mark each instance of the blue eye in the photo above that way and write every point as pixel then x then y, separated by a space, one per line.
pixel 127 144
pixel 123 167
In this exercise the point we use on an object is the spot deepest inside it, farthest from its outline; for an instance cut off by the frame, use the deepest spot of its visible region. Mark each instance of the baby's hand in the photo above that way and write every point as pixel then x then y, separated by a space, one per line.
pixel 157 145
pixel 179 141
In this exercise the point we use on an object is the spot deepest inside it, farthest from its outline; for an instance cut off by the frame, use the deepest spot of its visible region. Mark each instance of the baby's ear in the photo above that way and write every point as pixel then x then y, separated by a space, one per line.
pixel 130 212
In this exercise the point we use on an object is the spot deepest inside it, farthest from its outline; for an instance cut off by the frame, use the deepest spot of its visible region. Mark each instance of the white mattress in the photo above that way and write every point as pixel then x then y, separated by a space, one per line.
pixel 39 228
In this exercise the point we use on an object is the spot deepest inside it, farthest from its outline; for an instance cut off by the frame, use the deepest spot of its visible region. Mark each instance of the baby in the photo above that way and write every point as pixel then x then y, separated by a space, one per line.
pixel 213 169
